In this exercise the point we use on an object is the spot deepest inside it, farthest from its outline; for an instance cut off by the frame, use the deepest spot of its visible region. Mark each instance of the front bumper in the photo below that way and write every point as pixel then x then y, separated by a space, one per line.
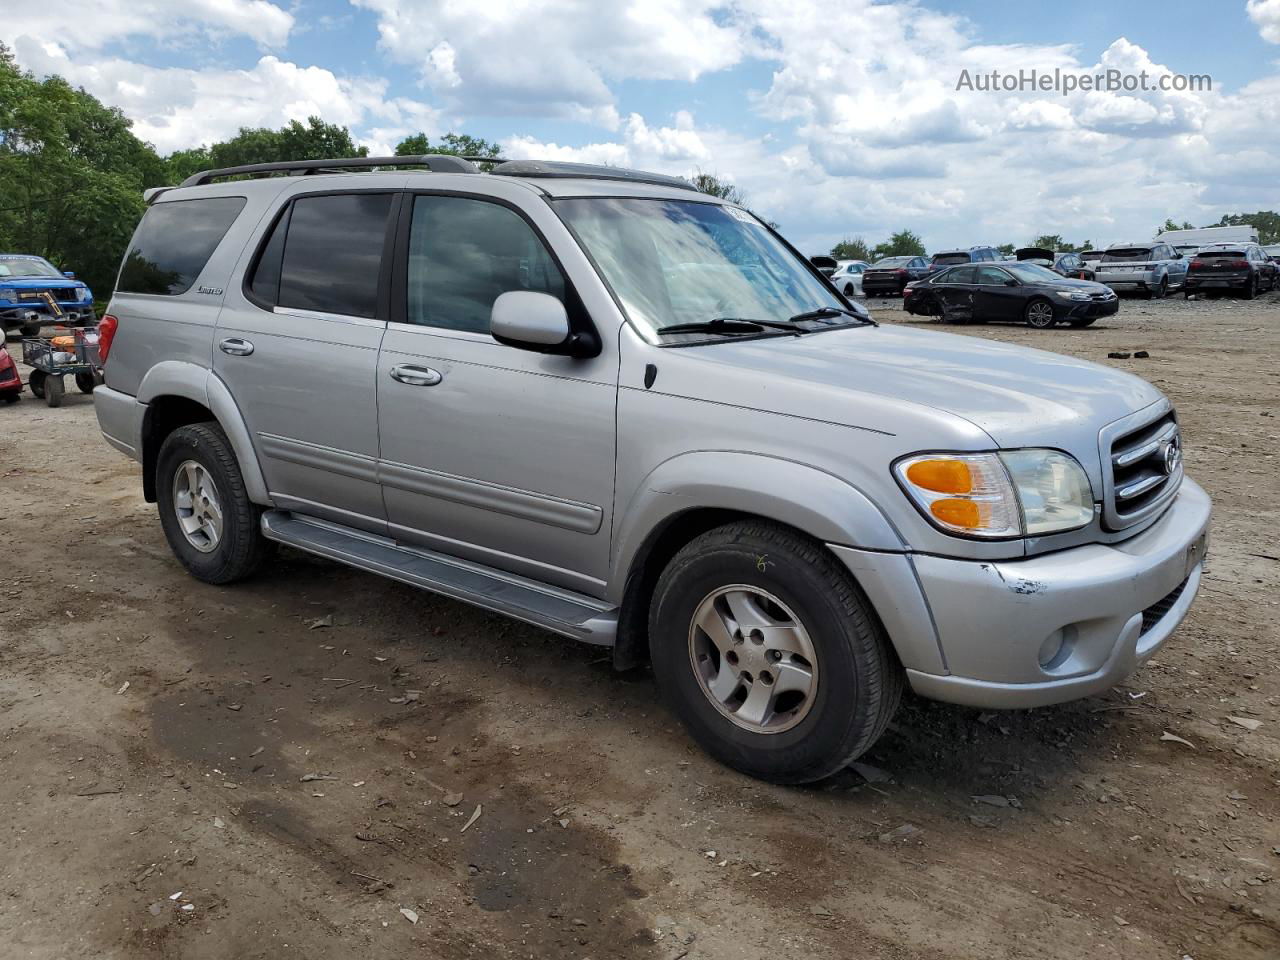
pixel 1047 629
pixel 1073 310
pixel 13 315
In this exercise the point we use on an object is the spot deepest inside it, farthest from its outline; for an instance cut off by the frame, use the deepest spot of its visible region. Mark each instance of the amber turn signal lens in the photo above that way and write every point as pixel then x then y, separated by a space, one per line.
pixel 958 513
pixel 941 476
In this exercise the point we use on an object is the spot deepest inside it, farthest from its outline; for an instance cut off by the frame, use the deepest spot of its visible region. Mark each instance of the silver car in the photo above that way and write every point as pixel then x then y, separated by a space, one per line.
pixel 603 403
pixel 1153 269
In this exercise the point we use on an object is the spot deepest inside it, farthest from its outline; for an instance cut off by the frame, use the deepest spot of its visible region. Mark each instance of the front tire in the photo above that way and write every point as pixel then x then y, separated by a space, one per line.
pixel 770 653
pixel 1039 314
pixel 208 519
pixel 36 382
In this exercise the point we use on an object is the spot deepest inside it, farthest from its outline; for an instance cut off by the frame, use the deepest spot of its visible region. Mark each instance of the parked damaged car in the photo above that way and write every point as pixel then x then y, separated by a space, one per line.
pixel 34 292
pixel 890 276
pixel 1064 264
pixel 1242 268
pixel 1011 292
pixel 1153 269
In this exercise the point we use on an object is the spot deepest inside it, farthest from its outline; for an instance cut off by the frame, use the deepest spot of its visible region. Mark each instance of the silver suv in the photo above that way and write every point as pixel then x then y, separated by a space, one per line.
pixel 1153 268
pixel 603 403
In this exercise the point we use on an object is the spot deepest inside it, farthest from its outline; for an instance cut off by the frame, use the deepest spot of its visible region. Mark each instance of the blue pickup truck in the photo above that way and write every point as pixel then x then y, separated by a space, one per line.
pixel 34 292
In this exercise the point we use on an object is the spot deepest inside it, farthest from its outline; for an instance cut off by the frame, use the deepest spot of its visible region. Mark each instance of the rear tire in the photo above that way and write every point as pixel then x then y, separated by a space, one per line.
pixel 54 389
pixel 13 396
pixel 796 597
pixel 1251 288
pixel 191 513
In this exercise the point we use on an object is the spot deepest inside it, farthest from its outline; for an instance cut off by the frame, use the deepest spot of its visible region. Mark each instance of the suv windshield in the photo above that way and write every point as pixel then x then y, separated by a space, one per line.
pixel 1127 255
pixel 685 261
pixel 27 267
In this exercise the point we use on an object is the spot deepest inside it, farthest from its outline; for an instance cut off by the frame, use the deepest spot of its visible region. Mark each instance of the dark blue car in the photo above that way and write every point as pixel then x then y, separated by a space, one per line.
pixel 34 292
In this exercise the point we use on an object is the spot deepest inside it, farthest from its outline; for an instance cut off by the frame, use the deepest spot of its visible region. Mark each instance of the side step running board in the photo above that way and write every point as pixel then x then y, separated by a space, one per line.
pixel 562 611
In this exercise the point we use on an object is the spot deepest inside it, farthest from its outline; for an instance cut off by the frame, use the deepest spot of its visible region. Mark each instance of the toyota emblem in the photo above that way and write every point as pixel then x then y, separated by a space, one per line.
pixel 1171 455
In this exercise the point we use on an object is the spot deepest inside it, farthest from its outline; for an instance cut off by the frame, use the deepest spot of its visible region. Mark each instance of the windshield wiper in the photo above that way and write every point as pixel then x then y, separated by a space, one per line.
pixel 731 325
pixel 822 312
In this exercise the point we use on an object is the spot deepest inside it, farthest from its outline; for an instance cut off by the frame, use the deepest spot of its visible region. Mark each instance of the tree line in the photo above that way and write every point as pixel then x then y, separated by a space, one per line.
pixel 908 244
pixel 72 171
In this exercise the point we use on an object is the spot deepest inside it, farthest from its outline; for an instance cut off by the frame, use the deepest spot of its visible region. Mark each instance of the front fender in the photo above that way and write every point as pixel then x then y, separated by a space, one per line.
pixel 813 501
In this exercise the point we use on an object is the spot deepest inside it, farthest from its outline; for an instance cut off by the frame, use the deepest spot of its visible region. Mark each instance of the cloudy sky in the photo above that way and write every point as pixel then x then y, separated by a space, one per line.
pixel 839 118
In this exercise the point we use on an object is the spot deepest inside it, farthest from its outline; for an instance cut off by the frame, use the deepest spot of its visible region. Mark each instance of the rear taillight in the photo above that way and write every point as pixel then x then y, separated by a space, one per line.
pixel 901 273
pixel 106 333
pixel 1238 264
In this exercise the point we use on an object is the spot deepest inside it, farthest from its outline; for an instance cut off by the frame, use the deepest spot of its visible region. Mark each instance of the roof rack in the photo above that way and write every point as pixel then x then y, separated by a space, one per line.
pixel 441 163
pixel 435 162
pixel 558 169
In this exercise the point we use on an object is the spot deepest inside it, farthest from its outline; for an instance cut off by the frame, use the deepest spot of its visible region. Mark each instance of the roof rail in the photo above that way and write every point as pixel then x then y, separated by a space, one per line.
pixel 435 162
pixel 589 171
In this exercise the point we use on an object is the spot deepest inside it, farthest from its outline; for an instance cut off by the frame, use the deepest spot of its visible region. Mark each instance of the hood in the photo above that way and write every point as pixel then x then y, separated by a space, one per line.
pixel 1035 253
pixel 37 283
pixel 860 376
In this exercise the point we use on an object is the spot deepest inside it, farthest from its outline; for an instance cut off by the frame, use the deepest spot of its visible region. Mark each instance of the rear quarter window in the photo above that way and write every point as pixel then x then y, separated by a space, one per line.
pixel 173 243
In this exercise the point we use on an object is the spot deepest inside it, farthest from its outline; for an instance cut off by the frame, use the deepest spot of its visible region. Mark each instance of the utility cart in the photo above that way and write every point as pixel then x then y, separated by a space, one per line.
pixel 73 354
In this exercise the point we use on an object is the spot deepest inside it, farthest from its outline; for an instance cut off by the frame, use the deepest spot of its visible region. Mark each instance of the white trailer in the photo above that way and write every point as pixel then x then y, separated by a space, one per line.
pixel 1187 242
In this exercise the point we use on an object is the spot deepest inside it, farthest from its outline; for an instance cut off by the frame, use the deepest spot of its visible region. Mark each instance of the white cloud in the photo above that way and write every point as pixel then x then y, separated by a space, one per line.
pixel 554 58
pixel 1266 14
pixel 92 24
pixel 868 131
pixel 178 107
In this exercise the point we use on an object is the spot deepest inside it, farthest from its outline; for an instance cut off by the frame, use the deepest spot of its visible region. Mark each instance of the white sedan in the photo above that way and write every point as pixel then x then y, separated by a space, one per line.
pixel 848 277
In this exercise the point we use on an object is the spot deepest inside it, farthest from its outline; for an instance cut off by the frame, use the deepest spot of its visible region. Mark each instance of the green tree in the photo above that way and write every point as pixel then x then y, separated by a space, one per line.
pixel 1051 241
pixel 1007 249
pixel 313 140
pixel 454 144
pixel 851 249
pixel 71 175
pixel 1267 223
pixel 1170 225
pixel 712 184
pixel 904 243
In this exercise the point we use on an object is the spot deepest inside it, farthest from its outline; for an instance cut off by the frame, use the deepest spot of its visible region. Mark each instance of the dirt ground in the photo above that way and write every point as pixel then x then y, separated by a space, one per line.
pixel 201 772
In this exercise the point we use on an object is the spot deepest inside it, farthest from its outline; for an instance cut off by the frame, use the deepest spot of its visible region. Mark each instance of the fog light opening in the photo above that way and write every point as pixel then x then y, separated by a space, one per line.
pixel 1057 647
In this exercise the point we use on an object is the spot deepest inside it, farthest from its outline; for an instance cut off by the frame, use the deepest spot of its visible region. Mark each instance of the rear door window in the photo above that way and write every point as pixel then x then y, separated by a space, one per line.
pixel 173 243
pixel 331 259
pixel 960 275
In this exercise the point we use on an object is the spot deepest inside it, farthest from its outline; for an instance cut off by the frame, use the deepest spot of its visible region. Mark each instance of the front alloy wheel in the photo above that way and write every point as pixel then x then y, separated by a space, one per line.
pixel 770 654
pixel 1039 314
pixel 753 658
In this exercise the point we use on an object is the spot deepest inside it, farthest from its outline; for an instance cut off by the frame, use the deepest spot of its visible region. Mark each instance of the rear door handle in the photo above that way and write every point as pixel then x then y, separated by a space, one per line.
pixel 236 347
pixel 416 376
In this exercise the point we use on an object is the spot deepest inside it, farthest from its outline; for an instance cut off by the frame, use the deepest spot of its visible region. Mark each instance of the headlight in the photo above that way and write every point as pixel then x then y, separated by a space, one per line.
pixel 8 296
pixel 83 293
pixel 999 495
pixel 1072 294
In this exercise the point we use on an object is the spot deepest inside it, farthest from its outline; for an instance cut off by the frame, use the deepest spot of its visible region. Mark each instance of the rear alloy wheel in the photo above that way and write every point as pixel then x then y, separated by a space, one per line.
pixel 208 519
pixel 1039 314
pixel 770 653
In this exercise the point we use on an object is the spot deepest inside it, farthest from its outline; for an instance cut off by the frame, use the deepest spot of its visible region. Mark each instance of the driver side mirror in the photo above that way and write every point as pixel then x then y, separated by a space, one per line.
pixel 1011 282
pixel 539 322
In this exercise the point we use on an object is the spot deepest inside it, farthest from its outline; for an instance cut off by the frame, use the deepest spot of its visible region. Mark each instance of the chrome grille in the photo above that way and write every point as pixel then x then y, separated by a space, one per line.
pixel 1142 465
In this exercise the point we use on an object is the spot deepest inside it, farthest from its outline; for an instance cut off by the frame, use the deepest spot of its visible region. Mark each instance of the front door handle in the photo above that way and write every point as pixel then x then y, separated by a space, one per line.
pixel 236 347
pixel 416 376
